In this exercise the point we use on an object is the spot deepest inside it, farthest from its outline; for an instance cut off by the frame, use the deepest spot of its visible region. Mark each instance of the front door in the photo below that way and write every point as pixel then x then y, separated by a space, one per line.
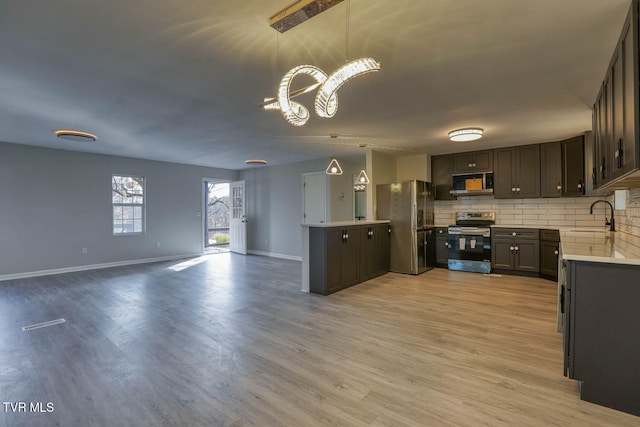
pixel 237 219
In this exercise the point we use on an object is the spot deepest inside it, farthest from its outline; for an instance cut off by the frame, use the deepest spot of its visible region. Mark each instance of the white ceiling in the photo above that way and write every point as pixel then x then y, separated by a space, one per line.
pixel 181 80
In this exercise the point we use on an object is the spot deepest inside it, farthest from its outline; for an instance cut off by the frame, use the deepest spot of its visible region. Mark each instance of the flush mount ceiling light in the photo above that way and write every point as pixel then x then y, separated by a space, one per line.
pixel 334 168
pixel 255 162
pixel 468 134
pixel 362 178
pixel 75 135
pixel 299 12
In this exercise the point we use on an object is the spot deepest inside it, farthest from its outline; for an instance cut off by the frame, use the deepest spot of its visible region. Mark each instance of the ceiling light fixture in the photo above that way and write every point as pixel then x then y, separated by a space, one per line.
pixel 468 134
pixel 362 178
pixel 255 162
pixel 334 168
pixel 326 102
pixel 299 12
pixel 75 135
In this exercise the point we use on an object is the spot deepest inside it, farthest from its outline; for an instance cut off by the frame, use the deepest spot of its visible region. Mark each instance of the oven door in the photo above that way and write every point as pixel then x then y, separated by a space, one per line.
pixel 470 249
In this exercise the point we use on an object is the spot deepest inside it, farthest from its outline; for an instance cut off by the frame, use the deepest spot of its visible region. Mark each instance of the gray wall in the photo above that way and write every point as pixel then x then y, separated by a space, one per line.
pixel 341 195
pixel 274 204
pixel 53 203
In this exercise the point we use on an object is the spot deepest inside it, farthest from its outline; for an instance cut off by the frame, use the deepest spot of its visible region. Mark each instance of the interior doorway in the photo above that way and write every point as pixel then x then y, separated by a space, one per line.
pixel 216 217
pixel 314 197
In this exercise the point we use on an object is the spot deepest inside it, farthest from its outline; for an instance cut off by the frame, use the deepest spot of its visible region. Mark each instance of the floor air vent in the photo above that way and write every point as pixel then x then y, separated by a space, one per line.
pixel 43 324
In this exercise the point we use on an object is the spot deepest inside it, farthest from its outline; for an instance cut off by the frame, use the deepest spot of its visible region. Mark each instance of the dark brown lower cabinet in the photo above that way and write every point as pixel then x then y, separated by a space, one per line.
pixel 549 250
pixel 515 250
pixel 340 257
pixel 601 339
pixel 374 251
pixel 442 246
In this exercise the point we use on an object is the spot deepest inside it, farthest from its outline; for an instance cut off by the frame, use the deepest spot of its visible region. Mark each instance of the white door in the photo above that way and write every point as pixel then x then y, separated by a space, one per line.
pixel 315 197
pixel 237 219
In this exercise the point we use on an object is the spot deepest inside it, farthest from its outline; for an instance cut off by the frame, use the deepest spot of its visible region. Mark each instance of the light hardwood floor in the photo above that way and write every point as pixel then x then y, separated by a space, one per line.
pixel 232 340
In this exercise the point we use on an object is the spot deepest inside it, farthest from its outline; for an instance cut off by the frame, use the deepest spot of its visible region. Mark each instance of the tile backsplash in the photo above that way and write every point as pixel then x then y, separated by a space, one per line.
pixel 565 212
pixel 628 221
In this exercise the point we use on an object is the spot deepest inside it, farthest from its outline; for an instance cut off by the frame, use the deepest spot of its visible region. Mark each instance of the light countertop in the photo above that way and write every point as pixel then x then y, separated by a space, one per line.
pixel 600 246
pixel 554 227
pixel 344 223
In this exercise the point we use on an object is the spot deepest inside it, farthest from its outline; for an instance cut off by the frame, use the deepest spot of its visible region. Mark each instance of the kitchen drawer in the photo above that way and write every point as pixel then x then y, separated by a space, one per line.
pixel 519 233
pixel 550 235
pixel 441 231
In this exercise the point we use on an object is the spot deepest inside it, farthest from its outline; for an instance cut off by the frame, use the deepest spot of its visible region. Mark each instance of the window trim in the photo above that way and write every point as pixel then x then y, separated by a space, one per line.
pixel 143 205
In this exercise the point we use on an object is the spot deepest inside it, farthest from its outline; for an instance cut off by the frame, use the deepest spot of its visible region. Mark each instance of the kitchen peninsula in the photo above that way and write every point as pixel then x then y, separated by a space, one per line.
pixel 599 292
pixel 336 255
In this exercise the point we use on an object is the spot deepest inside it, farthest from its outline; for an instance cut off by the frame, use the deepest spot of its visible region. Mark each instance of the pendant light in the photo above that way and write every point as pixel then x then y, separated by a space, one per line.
pixel 334 168
pixel 327 85
pixel 362 178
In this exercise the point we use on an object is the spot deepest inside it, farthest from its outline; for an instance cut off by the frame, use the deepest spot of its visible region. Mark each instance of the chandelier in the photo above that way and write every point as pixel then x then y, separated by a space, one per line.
pixel 326 103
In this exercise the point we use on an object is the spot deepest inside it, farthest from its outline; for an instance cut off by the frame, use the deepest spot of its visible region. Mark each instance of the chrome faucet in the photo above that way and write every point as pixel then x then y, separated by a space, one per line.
pixel 612 223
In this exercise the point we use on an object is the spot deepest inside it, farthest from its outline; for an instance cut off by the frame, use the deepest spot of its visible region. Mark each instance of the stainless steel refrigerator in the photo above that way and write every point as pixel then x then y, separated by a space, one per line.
pixel 409 207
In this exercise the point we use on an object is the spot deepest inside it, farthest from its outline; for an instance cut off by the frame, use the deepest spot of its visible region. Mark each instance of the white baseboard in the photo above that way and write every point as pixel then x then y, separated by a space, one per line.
pixel 275 255
pixel 93 267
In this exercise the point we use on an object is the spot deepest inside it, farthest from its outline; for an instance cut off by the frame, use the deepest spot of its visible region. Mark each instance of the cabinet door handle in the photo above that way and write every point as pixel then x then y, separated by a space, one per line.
pixel 512 248
pixel 558 187
pixel 518 189
pixel 619 153
pixel 446 244
pixel 346 236
pixel 517 249
pixel 514 234
pixel 556 252
pixel 513 189
pixel 474 165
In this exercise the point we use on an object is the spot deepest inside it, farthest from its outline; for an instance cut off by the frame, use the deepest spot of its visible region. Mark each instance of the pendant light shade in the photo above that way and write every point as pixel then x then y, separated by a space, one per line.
pixel 334 168
pixel 362 178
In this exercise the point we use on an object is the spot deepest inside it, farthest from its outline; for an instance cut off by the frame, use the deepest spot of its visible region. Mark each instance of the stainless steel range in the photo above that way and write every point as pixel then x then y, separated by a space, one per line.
pixel 470 242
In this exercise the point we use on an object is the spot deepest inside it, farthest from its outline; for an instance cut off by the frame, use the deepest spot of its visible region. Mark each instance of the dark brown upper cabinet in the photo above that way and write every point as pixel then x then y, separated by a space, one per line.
pixel 473 161
pixel 551 169
pixel 573 161
pixel 562 168
pixel 616 147
pixel 516 172
pixel 441 170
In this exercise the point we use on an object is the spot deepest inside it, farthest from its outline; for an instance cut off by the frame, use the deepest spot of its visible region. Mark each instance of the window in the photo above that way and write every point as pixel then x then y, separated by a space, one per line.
pixel 127 198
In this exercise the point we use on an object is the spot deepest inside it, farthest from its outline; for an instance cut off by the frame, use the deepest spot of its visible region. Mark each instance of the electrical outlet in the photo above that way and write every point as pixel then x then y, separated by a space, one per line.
pixel 84 251
pixel 157 244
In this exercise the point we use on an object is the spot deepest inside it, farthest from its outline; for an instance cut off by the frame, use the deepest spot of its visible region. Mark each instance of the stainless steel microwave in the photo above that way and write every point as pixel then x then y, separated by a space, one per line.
pixel 469 184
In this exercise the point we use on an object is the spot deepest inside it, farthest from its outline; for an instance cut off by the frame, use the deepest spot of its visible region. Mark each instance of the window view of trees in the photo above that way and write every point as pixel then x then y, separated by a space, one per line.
pixel 217 214
pixel 127 199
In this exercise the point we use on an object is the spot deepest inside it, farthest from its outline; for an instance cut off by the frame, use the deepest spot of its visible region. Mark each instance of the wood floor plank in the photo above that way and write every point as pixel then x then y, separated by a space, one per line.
pixel 231 340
